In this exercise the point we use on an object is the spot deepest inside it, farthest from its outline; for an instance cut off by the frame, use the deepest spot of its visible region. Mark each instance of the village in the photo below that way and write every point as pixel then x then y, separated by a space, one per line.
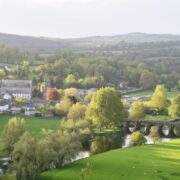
pixel 16 98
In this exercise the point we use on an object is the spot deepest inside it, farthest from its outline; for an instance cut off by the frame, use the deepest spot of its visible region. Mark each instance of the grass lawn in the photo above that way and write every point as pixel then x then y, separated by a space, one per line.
pixel 33 124
pixel 157 162
pixel 170 94
pixel 141 93
pixel 158 118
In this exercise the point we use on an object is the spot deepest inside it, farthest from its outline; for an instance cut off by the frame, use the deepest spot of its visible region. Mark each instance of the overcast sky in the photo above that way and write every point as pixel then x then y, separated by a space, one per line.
pixel 79 18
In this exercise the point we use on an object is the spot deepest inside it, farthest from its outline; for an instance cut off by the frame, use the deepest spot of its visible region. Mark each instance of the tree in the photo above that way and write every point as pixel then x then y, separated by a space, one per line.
pixel 154 134
pixel 82 129
pixel 106 108
pixel 103 144
pixel 137 110
pixel 176 100
pixel 88 98
pixel 71 92
pixel 77 112
pixel 20 100
pixel 137 139
pixel 174 108
pixel 93 82
pixel 70 80
pixel 2 73
pixel 63 145
pixel 147 79
pixel 47 157
pixel 12 132
pixel 63 108
pixel 52 94
pixel 158 98
pixel 24 158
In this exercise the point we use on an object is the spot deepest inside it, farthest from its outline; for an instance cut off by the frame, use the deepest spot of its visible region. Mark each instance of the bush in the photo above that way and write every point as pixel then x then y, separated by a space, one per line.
pixel 137 139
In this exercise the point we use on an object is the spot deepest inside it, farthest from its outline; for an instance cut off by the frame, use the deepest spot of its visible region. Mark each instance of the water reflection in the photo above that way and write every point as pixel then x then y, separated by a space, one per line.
pixel 126 142
pixel 103 143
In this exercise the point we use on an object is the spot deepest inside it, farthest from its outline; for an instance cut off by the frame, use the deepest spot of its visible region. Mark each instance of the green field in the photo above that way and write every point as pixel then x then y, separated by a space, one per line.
pixel 158 118
pixel 157 162
pixel 33 124
pixel 170 94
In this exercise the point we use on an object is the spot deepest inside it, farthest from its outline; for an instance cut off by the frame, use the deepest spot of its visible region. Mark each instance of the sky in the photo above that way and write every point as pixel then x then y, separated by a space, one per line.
pixel 80 18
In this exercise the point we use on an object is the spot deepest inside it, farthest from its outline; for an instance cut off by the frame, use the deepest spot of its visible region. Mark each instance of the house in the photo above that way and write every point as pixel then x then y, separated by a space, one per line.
pixel 29 106
pixel 7 96
pixel 31 113
pixel 4 164
pixel 4 107
pixel 15 110
pixel 18 88
pixel 83 92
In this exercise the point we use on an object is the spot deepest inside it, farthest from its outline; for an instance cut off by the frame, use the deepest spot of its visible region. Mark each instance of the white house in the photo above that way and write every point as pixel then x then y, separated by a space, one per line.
pixel 4 108
pixel 18 88
pixel 7 96
pixel 15 110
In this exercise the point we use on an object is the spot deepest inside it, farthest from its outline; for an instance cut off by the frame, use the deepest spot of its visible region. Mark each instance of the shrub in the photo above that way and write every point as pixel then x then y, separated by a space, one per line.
pixel 137 139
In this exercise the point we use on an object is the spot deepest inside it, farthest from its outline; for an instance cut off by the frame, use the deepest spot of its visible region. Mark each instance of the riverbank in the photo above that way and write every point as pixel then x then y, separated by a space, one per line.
pixel 159 161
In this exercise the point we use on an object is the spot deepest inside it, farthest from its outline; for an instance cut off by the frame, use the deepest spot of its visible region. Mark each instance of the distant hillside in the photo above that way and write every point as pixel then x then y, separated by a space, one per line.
pixel 42 44
pixel 39 44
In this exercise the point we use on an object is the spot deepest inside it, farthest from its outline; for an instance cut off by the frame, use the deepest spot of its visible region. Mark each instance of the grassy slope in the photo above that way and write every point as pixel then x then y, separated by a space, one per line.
pixel 157 162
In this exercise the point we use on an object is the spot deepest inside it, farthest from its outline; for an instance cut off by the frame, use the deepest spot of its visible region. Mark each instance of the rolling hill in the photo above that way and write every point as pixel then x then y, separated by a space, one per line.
pixel 44 44
pixel 158 162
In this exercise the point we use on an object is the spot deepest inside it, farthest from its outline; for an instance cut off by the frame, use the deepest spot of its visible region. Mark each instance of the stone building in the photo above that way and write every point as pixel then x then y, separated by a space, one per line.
pixel 18 88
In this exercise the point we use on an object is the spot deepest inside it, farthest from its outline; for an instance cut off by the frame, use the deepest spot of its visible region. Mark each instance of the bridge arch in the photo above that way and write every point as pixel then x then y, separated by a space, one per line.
pixel 176 130
pixel 167 129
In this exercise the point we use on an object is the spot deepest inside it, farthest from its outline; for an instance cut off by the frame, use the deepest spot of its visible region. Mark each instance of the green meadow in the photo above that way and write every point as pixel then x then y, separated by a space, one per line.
pixel 170 94
pixel 33 124
pixel 158 162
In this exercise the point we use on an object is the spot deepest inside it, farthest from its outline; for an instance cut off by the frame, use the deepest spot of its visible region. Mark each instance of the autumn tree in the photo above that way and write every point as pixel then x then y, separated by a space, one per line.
pixel 52 94
pixel 137 110
pixel 106 108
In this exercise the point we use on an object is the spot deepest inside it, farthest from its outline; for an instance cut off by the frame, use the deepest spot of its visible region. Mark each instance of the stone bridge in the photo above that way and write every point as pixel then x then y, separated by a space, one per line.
pixel 169 129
